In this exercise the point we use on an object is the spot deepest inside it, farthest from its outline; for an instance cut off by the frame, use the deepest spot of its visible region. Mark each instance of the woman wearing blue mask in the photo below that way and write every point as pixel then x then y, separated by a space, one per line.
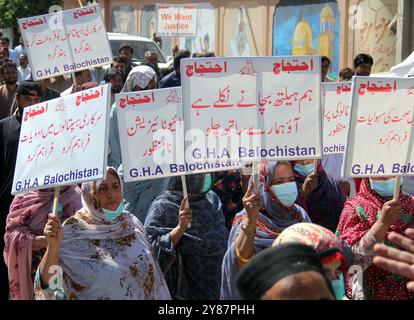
pixel 321 195
pixel 265 216
pixel 334 255
pixel 368 218
pixel 102 250
pixel 189 237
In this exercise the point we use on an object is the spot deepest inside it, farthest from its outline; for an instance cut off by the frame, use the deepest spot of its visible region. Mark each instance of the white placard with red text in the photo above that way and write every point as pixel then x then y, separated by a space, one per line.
pixel 252 108
pixel 150 125
pixel 66 41
pixel 380 136
pixel 174 20
pixel 335 107
pixel 63 141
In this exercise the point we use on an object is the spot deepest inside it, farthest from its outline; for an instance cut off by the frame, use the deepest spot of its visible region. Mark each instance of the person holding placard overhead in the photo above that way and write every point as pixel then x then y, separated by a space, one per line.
pixel 190 258
pixel 265 215
pixel 25 243
pixel 319 194
pixel 139 195
pixel 368 218
pixel 102 251
pixel 82 77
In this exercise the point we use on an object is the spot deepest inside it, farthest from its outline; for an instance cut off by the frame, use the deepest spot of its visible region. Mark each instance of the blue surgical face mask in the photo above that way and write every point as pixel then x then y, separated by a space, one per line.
pixel 385 188
pixel 338 286
pixel 286 192
pixel 207 183
pixel 112 215
pixel 304 169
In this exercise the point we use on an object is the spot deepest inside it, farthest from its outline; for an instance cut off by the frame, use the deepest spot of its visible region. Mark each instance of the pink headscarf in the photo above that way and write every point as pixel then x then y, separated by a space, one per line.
pixel 27 218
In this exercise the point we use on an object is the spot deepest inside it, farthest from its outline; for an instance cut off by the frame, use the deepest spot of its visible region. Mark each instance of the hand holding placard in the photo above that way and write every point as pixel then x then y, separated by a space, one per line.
pixel 251 202
pixel 185 215
pixel 185 200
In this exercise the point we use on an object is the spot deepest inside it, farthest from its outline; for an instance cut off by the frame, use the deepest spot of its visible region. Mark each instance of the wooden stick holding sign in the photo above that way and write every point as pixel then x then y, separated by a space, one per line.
pixel 56 201
pixel 185 194
pixel 255 178
pixel 315 166
pixel 397 188
pixel 75 83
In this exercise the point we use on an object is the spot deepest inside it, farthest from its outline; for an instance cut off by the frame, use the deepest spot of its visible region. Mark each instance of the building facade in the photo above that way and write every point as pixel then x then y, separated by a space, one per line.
pixel 338 29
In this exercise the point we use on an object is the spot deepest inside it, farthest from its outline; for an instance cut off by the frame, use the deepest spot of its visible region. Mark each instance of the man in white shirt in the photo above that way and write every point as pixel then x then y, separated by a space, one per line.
pixel 13 55
pixel 21 48
pixel 23 71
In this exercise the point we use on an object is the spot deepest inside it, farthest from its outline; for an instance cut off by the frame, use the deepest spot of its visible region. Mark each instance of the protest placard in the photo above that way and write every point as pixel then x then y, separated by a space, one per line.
pixel 250 109
pixel 151 135
pixel 380 137
pixel 66 41
pixel 63 141
pixel 175 20
pixel 335 108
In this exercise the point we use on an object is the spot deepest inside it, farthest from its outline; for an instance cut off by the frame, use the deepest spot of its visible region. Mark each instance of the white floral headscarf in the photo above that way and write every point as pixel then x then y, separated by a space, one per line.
pixel 139 76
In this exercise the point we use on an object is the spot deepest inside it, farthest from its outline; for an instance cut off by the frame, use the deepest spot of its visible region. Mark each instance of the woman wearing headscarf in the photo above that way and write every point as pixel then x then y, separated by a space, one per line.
pixel 368 218
pixel 261 221
pixel 102 251
pixel 25 243
pixel 228 186
pixel 189 257
pixel 321 195
pixel 139 195
pixel 331 251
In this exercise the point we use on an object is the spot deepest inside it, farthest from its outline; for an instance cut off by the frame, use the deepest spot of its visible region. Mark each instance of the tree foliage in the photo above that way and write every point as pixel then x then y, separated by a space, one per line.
pixel 11 10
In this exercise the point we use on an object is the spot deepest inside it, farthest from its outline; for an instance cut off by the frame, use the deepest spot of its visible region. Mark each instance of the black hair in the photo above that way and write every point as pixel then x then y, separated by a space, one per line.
pixel 363 58
pixel 79 73
pixel 9 64
pixel 181 54
pixel 344 70
pixel 126 46
pixel 325 59
pixel 120 60
pixel 198 55
pixel 112 74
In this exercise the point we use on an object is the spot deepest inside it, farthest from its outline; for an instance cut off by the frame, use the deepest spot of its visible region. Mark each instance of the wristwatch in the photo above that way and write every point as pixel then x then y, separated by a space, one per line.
pixel 247 229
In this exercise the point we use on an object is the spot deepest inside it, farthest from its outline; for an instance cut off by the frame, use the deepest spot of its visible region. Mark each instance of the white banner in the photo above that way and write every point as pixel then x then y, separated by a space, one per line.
pixel 335 106
pixel 66 41
pixel 174 20
pixel 151 135
pixel 63 141
pixel 380 137
pixel 252 108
